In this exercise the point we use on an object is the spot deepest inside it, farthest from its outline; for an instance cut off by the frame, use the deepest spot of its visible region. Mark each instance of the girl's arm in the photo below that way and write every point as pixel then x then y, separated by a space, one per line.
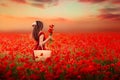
pixel 41 40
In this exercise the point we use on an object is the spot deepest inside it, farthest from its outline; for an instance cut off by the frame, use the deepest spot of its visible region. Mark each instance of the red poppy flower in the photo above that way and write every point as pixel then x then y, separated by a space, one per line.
pixel 50 30
pixel 41 54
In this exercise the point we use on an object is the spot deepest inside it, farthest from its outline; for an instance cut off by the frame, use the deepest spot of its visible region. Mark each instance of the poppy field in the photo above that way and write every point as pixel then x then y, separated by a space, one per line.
pixel 75 56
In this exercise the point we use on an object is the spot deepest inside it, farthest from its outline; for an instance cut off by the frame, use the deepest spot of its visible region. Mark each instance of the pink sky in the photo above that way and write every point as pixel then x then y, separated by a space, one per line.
pixel 64 14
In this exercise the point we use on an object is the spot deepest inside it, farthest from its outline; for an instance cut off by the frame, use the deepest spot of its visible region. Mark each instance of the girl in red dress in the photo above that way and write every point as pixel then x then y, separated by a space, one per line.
pixel 39 36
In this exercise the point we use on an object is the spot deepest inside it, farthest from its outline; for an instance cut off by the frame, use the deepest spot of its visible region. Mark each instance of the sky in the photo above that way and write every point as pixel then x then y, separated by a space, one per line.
pixel 66 15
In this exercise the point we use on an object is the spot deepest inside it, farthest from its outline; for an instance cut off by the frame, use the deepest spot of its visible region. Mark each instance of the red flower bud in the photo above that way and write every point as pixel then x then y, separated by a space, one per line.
pixel 41 54
pixel 51 26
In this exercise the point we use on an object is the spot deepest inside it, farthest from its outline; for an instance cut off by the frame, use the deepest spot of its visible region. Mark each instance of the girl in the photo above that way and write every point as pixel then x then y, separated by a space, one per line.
pixel 39 36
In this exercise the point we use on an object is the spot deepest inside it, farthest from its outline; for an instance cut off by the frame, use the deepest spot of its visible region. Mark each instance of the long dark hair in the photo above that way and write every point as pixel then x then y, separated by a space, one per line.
pixel 36 30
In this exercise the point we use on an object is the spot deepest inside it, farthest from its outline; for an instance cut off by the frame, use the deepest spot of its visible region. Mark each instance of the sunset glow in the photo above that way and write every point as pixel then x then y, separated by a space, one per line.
pixel 64 14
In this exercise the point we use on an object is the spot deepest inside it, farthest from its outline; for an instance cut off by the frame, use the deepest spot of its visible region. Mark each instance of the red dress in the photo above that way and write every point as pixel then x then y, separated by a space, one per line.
pixel 37 47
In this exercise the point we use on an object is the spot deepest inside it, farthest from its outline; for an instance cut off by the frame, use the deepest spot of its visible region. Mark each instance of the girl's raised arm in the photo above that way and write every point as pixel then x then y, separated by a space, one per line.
pixel 41 41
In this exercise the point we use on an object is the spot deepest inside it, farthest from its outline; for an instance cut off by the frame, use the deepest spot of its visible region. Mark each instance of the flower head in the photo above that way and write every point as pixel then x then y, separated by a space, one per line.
pixel 50 30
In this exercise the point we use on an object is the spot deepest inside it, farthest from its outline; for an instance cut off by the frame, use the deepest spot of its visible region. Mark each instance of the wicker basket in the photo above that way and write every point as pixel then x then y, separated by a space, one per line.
pixel 41 55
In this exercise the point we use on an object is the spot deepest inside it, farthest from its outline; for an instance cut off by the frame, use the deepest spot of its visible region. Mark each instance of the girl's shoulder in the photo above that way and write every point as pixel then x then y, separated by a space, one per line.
pixel 41 33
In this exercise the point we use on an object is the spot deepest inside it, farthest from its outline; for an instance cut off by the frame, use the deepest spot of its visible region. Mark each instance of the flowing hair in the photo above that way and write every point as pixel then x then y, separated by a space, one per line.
pixel 36 30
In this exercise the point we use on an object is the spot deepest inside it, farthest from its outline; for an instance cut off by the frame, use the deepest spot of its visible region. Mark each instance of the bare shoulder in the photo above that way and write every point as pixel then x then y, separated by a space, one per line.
pixel 41 33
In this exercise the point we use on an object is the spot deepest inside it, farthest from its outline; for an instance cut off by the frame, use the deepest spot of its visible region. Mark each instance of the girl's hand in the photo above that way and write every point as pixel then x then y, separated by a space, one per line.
pixel 50 37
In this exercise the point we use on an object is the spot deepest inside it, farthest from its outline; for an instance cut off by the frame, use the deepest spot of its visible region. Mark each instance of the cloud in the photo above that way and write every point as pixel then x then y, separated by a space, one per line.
pixel 92 1
pixel 110 13
pixel 44 0
pixel 3 5
pixel 33 3
pixel 19 1
pixel 60 19
pixel 116 1
pixel 110 16
pixel 99 1
pixel 44 3
pixel 110 9
pixel 38 3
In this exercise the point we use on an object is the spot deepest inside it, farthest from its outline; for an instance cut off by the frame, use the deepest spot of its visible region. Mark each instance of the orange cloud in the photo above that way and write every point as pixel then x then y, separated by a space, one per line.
pixel 38 3
pixel 110 16
pixel 110 13
pixel 59 19
pixel 92 1
pixel 12 23
pixel 116 1
pixel 19 1
pixel 45 1
pixel 3 5
pixel 9 23
pixel 110 9
pixel 42 3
